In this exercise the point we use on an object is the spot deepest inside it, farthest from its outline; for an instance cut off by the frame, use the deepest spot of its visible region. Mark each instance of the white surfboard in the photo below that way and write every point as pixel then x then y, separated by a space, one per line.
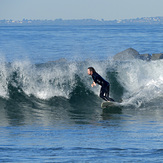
pixel 108 104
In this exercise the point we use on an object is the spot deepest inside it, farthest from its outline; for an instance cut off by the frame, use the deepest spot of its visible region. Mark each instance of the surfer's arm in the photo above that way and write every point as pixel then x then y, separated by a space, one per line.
pixel 93 84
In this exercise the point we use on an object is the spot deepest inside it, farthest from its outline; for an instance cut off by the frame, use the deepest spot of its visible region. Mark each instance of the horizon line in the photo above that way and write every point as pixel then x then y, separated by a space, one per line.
pixel 84 19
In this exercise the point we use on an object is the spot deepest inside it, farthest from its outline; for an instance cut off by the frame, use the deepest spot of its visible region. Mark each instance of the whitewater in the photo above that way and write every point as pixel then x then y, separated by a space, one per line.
pixel 139 82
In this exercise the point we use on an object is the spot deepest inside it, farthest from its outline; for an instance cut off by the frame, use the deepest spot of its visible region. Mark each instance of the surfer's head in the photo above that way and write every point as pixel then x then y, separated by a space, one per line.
pixel 91 70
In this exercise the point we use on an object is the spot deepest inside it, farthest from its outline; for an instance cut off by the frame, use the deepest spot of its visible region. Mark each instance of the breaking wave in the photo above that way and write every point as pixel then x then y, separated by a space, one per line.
pixel 137 83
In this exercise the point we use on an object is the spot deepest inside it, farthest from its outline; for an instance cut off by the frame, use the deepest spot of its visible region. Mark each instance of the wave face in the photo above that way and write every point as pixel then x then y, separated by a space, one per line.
pixel 137 83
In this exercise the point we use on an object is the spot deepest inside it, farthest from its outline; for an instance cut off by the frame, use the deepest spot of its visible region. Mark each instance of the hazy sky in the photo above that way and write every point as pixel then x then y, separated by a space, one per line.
pixel 79 9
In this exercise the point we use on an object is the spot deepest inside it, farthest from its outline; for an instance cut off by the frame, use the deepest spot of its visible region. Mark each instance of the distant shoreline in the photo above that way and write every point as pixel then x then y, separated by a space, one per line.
pixel 137 21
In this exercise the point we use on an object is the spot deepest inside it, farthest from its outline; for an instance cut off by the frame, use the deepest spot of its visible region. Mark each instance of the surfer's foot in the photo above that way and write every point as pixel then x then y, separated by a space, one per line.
pixel 111 100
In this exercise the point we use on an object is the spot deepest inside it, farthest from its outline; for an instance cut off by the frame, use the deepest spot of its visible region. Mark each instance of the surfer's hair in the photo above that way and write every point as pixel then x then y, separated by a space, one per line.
pixel 91 69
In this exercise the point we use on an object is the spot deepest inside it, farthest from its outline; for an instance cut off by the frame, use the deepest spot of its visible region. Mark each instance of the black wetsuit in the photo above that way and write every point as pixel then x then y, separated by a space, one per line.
pixel 104 92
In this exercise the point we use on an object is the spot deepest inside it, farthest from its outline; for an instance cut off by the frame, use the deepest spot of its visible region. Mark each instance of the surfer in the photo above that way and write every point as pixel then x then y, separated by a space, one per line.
pixel 104 92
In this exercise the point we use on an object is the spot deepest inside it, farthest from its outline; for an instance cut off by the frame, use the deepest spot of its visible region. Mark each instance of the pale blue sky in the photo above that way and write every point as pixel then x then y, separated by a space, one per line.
pixel 79 9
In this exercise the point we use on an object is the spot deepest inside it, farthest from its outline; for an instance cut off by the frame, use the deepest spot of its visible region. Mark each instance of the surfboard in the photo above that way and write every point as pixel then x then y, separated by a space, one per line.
pixel 107 104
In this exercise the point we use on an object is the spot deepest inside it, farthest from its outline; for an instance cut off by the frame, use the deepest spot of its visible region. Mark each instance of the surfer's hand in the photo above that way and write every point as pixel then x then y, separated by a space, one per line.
pixel 93 84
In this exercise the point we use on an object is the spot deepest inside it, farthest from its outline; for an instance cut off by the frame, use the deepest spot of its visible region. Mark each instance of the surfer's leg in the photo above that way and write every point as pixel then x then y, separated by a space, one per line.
pixel 107 93
pixel 102 94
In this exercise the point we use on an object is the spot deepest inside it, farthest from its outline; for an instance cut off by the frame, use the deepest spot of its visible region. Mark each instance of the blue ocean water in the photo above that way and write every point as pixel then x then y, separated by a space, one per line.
pixel 48 43
pixel 50 113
